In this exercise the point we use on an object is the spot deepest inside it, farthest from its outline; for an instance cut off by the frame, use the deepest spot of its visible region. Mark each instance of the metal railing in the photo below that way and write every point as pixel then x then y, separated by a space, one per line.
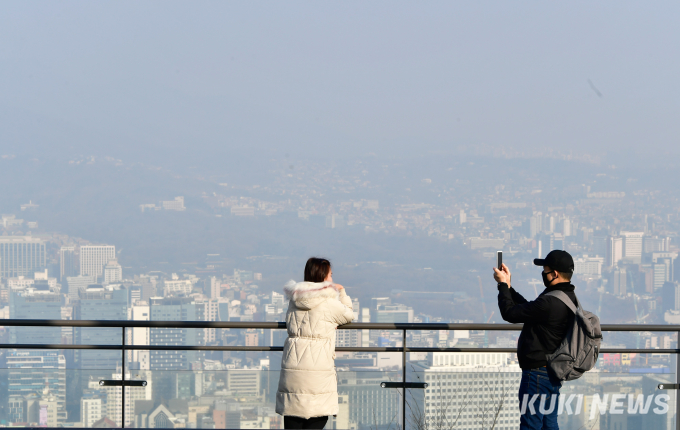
pixel 403 327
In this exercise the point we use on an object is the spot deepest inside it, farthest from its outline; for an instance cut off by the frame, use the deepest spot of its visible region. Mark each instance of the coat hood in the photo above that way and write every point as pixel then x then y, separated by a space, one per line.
pixel 307 295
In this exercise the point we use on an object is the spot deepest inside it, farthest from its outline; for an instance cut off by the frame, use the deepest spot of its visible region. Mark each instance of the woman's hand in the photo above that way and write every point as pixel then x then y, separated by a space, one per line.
pixel 339 288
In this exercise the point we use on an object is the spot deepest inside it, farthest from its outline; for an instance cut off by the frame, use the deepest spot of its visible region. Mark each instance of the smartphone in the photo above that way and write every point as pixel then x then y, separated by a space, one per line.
pixel 500 260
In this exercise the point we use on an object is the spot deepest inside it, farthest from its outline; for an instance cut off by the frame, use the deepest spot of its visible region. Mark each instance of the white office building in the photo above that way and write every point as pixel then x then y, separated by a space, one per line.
pixel 90 411
pixel 173 205
pixel 113 272
pixel 632 245
pixel 93 258
pixel 114 399
pixel 21 255
pixel 140 336
pixel 467 388
pixel 614 251
pixel 177 287
pixel 211 313
pixel 245 382
pixel 663 265
pixel 588 266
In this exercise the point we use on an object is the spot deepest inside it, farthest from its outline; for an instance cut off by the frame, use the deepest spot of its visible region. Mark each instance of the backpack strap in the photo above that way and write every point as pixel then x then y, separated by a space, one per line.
pixel 564 298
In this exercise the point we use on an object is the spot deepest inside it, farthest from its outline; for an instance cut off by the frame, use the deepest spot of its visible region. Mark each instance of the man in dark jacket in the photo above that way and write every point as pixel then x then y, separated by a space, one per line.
pixel 546 322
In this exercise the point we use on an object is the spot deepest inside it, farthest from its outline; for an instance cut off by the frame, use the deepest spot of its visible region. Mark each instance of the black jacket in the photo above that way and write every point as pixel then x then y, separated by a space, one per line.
pixel 546 322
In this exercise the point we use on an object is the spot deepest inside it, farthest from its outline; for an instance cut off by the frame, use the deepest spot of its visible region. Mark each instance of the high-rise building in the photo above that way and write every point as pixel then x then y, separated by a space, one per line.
pixel 655 244
pixel 35 371
pixel 588 265
pixel 16 409
pixel 393 313
pixel 175 309
pixel 662 268
pixel 600 245
pixel 90 411
pixel 566 227
pixel 670 295
pixel 278 300
pixel 368 404
pixel 245 382
pixel 614 251
pixel 215 288
pixel 470 386
pixel 348 338
pixel 211 312
pixel 41 373
pixel 37 303
pixel 556 241
pixel 140 335
pixel 93 258
pixel 100 303
pixel 660 275
pixel 77 283
pixel 534 225
pixel 114 400
pixel 68 263
pixel 113 272
pixel 632 245
pixel 619 281
pixel 177 287
pixel 549 223
pixel 21 255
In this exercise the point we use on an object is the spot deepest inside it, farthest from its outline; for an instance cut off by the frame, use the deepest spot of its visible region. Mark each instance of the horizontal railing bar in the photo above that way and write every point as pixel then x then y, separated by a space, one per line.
pixel 282 325
pixel 280 348
pixel 140 324
pixel 57 346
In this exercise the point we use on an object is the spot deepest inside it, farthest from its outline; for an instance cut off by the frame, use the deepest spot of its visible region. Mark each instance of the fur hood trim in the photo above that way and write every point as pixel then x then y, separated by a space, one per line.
pixel 309 290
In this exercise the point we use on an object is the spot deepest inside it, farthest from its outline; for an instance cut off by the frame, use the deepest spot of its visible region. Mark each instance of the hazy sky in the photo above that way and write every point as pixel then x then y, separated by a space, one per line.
pixel 145 78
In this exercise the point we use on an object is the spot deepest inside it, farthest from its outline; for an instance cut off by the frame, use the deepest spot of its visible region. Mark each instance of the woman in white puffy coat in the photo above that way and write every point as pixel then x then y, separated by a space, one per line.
pixel 308 389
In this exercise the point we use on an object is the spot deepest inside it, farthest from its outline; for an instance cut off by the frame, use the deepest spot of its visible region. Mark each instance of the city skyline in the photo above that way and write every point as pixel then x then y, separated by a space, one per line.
pixel 181 161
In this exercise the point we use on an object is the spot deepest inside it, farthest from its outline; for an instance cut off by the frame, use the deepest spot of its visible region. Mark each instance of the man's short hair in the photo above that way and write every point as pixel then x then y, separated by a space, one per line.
pixel 566 275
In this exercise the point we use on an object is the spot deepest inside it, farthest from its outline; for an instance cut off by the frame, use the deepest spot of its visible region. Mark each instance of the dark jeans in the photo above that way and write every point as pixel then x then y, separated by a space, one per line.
pixel 301 423
pixel 539 397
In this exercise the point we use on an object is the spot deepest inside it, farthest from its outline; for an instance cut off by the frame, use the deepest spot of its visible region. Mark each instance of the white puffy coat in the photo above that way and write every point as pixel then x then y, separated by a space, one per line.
pixel 308 384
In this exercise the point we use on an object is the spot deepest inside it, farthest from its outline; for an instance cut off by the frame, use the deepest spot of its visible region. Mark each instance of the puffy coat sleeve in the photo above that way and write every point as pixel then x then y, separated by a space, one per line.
pixel 340 311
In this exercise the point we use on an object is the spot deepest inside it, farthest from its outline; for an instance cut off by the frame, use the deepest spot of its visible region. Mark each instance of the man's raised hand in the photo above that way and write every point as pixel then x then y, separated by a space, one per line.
pixel 503 275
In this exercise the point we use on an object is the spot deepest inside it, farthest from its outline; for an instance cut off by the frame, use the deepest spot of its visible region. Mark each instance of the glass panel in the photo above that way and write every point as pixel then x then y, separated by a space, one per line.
pixel 240 392
pixel 639 340
pixel 480 390
pixel 206 389
pixel 42 388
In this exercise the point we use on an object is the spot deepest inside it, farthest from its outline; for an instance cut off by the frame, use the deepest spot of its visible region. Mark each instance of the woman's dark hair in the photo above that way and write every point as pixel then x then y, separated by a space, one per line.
pixel 317 269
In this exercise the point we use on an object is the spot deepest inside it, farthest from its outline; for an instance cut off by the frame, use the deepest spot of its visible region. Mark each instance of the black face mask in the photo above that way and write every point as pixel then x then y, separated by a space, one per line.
pixel 546 282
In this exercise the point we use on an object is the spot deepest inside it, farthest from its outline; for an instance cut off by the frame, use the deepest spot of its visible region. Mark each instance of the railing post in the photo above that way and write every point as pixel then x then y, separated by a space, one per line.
pixel 122 377
pixel 403 379
pixel 677 381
